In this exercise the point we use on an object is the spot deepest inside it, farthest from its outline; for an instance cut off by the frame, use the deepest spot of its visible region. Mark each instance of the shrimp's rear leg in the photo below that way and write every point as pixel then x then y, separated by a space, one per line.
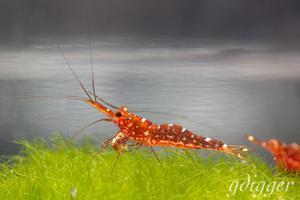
pixel 135 146
pixel 156 156
pixel 188 154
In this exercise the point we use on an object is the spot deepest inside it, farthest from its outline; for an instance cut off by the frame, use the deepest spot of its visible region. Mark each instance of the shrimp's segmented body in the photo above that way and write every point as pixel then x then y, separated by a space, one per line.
pixel 142 131
pixel 287 156
pixel 150 134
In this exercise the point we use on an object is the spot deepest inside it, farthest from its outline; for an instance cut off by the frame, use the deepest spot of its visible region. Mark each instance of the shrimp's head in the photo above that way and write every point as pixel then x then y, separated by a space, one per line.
pixel 272 145
pixel 121 116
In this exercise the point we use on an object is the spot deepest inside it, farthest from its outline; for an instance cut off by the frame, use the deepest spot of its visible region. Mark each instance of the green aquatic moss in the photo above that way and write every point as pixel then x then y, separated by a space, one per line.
pixel 61 169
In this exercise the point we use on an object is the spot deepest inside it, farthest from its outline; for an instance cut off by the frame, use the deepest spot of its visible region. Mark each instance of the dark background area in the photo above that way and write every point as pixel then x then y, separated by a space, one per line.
pixel 277 20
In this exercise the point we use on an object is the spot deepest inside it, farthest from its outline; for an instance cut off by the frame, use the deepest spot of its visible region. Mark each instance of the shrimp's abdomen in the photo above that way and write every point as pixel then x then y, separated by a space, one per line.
pixel 177 136
pixel 173 135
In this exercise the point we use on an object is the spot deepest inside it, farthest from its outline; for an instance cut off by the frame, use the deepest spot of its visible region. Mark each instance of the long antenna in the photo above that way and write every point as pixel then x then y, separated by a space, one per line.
pixel 93 78
pixel 89 125
pixel 74 74
pixel 90 50
pixel 51 97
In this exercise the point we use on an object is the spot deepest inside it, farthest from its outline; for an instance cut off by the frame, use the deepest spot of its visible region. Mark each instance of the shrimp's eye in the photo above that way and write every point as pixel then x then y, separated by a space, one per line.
pixel 118 114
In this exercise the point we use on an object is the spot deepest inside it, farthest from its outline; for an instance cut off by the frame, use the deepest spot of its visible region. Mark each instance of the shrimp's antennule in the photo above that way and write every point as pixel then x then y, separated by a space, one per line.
pixel 104 101
pixel 254 140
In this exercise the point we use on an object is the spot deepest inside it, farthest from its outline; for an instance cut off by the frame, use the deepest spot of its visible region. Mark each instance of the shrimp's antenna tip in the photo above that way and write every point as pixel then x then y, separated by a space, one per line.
pixel 73 72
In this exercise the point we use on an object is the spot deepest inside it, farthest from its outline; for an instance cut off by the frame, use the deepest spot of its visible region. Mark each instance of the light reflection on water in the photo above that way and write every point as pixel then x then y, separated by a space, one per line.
pixel 230 88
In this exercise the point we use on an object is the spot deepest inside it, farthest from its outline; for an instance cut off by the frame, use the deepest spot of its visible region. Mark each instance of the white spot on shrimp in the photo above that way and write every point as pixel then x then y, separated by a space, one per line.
pixel 245 149
pixel 153 141
pixel 250 138
pixel 207 139
pixel 170 136
pixel 195 141
pixel 125 109
pixel 146 133
pixel 183 130
pixel 107 109
pixel 158 127
pixel 143 119
pixel 170 125
pixel 192 136
pixel 224 146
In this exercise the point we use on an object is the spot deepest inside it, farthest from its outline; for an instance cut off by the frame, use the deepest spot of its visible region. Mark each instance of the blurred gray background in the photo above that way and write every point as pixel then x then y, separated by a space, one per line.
pixel 232 66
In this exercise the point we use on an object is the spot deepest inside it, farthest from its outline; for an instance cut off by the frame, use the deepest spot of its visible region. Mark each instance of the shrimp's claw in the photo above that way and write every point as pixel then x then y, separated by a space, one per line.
pixel 239 151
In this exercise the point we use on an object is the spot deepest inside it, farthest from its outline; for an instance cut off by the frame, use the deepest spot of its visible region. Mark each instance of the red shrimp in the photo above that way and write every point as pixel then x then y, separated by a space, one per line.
pixel 141 131
pixel 287 156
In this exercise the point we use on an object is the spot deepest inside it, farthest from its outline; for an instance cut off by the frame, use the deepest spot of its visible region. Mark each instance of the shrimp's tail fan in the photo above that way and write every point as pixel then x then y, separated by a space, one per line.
pixel 239 151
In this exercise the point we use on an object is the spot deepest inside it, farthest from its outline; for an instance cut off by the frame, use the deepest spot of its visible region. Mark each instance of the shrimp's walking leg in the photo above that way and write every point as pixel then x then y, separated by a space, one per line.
pixel 156 156
pixel 187 153
pixel 116 142
pixel 135 146
pixel 105 144
pixel 118 156
pixel 119 144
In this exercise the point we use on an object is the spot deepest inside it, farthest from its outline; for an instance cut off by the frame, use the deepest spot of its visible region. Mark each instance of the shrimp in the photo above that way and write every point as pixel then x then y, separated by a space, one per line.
pixel 287 156
pixel 142 132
